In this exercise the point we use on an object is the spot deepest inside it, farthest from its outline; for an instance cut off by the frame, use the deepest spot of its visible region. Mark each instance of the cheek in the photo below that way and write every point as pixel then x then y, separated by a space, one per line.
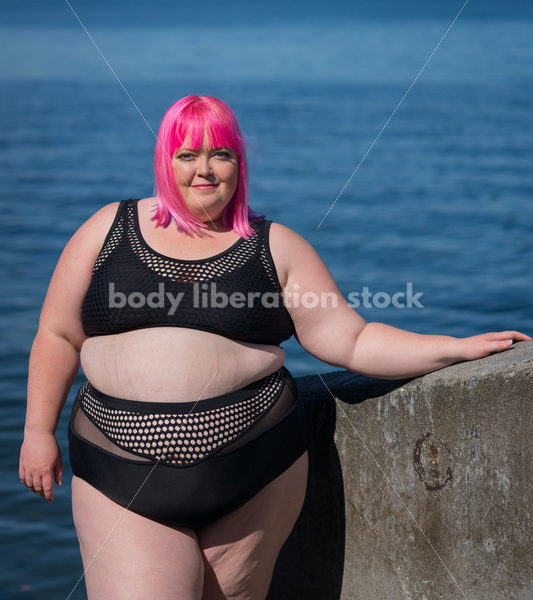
pixel 183 173
pixel 233 176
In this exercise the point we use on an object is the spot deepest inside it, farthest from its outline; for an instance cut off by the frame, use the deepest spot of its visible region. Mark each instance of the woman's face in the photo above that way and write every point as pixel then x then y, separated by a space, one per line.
pixel 206 177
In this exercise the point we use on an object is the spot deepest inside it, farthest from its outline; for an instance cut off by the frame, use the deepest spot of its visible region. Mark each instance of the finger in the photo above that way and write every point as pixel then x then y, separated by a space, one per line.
pixel 497 336
pixel 48 487
pixel 514 335
pixel 58 472
pixel 501 345
pixel 519 336
pixel 37 485
pixel 24 479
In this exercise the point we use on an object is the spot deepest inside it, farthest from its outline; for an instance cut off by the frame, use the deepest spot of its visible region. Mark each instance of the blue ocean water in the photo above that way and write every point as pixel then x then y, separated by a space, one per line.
pixel 441 202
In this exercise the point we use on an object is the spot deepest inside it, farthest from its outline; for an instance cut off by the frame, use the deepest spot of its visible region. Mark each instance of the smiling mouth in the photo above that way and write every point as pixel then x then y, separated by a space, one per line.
pixel 206 186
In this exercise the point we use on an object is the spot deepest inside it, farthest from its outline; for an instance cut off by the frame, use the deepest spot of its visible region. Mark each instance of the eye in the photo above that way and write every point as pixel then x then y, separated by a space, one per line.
pixel 188 155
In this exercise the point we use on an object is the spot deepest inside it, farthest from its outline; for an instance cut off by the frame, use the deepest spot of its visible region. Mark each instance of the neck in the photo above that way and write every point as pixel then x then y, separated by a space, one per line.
pixel 214 225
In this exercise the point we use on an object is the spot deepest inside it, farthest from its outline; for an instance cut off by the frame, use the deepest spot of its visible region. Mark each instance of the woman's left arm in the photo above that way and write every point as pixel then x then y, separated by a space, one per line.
pixel 389 353
pixel 329 329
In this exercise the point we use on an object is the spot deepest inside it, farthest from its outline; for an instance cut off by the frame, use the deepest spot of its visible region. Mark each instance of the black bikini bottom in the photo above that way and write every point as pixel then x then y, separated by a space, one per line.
pixel 187 463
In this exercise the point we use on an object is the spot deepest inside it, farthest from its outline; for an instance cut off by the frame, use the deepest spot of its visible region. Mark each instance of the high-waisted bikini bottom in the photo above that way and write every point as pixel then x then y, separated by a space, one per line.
pixel 187 463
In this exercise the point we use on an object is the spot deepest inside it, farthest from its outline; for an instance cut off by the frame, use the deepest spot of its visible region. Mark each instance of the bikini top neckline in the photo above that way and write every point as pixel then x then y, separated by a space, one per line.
pixel 137 228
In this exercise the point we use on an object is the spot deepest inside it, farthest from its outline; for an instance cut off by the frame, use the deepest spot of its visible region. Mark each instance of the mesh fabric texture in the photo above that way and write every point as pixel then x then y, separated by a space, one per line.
pixel 177 435
pixel 130 284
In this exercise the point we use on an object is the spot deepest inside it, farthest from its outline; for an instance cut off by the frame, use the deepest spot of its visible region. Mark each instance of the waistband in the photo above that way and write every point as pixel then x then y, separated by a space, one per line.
pixel 282 375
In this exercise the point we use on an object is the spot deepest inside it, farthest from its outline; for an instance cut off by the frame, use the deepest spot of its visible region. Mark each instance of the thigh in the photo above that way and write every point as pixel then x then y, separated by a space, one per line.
pixel 241 549
pixel 128 556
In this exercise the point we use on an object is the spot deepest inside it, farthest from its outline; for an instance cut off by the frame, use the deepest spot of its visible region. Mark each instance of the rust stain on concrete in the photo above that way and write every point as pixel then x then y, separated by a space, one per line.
pixel 432 461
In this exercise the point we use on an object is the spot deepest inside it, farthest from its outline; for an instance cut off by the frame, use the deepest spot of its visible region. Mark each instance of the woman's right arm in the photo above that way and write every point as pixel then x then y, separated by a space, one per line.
pixel 54 356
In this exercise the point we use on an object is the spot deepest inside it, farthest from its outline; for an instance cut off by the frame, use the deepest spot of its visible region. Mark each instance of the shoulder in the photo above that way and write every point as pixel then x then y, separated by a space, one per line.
pixel 285 239
pixel 146 205
pixel 104 215
pixel 100 221
pixel 89 237
pixel 287 248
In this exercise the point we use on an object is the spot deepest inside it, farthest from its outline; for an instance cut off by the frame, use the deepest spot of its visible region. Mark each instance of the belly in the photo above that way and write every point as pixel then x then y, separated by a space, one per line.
pixel 174 364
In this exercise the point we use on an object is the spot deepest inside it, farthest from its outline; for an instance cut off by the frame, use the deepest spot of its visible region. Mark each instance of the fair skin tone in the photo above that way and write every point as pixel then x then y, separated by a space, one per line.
pixel 237 552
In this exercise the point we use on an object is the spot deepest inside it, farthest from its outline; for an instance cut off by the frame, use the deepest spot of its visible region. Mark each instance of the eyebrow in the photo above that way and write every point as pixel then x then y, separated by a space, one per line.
pixel 213 149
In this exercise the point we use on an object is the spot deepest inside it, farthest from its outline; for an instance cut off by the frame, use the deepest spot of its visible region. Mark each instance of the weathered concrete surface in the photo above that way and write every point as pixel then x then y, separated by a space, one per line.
pixel 429 497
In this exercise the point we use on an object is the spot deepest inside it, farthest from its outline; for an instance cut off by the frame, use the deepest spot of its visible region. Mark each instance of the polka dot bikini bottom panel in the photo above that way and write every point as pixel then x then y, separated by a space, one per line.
pixel 178 437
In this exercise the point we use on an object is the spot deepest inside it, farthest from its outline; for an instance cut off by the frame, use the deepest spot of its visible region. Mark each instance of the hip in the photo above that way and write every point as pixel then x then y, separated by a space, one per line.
pixel 188 463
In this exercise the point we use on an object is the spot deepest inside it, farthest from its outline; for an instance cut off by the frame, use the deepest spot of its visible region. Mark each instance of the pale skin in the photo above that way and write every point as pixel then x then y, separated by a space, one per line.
pixel 234 557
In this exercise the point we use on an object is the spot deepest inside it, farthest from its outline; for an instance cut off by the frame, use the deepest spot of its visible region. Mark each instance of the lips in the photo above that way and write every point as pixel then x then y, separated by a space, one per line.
pixel 205 187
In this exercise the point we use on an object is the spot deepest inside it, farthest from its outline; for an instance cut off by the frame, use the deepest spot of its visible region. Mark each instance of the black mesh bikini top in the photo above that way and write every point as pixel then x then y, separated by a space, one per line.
pixel 235 293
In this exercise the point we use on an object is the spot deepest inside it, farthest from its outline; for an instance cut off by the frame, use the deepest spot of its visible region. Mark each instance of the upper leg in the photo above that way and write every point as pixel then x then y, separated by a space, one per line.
pixel 240 549
pixel 126 555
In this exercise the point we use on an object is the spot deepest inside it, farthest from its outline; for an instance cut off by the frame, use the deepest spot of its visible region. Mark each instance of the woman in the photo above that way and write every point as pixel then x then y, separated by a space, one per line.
pixel 187 439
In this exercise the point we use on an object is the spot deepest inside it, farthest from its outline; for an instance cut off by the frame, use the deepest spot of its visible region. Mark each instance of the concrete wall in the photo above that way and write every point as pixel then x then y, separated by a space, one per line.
pixel 417 489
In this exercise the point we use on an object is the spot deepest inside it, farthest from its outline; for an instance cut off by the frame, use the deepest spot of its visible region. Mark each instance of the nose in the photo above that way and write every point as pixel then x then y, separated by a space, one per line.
pixel 202 166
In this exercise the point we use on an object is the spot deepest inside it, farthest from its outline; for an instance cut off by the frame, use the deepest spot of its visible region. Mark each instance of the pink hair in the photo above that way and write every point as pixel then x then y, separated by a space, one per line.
pixel 187 119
